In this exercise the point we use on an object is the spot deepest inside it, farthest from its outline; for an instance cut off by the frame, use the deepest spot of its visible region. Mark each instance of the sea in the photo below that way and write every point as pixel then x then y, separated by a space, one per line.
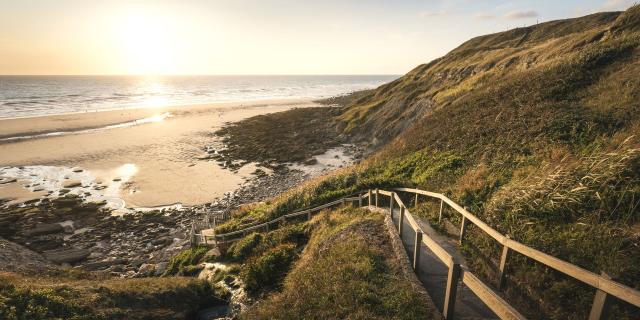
pixel 29 96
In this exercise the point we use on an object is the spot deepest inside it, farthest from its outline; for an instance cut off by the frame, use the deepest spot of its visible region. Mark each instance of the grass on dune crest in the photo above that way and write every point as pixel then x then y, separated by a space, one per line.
pixel 536 132
pixel 347 270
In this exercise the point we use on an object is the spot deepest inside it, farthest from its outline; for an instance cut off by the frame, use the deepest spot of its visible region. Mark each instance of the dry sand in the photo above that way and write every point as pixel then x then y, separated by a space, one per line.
pixel 160 157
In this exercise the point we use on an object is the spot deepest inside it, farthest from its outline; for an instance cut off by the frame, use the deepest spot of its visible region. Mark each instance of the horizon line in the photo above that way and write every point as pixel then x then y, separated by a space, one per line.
pixel 198 75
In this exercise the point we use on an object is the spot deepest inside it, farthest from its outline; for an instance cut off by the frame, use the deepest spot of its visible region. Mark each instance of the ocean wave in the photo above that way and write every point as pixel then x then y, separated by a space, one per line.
pixel 56 95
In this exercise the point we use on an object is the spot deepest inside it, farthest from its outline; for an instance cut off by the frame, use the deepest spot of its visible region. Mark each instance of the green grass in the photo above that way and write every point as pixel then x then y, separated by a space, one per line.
pixel 269 269
pixel 185 262
pixel 347 271
pixel 69 296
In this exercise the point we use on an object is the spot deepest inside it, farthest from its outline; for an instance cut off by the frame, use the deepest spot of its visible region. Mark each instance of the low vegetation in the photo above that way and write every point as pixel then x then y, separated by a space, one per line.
pixel 294 136
pixel 76 295
pixel 187 262
pixel 535 131
pixel 347 270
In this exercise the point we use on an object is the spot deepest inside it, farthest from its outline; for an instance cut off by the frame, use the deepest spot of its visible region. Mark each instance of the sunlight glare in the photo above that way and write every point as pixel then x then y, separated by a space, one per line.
pixel 145 39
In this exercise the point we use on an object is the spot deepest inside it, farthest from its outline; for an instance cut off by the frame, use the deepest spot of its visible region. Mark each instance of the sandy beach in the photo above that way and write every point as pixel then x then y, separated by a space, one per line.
pixel 146 157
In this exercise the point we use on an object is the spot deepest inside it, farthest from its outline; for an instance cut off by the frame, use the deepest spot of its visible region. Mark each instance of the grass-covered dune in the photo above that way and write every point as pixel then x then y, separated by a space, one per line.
pixel 535 130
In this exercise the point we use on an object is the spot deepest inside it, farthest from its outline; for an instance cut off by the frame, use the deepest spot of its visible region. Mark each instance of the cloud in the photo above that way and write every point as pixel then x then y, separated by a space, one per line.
pixel 484 16
pixel 617 4
pixel 425 14
pixel 521 14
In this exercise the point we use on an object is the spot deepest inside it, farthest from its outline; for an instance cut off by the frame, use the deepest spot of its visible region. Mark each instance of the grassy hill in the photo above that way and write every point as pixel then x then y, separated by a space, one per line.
pixel 534 130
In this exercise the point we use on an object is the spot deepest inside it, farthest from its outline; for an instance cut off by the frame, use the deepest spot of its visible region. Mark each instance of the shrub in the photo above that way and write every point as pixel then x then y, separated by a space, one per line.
pixel 245 246
pixel 269 269
pixel 189 257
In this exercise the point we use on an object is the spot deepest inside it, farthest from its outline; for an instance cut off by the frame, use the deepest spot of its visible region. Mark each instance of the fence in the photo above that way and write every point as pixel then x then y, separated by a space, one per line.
pixel 606 288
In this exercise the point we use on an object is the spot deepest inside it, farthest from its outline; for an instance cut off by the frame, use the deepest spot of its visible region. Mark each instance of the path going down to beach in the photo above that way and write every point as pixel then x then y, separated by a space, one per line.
pixel 433 273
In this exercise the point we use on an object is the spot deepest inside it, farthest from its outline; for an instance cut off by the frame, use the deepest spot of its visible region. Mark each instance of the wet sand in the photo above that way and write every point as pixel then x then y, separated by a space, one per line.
pixel 159 157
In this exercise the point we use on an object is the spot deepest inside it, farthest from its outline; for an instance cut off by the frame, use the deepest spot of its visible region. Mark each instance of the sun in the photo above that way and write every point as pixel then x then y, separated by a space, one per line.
pixel 144 40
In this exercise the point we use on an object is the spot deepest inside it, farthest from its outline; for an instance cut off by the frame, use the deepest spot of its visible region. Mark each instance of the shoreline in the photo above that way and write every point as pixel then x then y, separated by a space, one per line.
pixel 147 165
pixel 44 124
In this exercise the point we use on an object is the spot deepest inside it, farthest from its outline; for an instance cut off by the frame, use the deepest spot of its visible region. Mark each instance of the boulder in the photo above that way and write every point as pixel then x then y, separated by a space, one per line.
pixel 72 184
pixel 212 254
pixel 104 264
pixel 146 270
pixel 43 229
pixel 162 241
pixel 67 255
pixel 161 267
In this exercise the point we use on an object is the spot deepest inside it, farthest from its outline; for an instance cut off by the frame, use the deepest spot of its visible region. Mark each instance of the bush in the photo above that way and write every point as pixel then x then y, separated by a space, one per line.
pixel 245 246
pixel 189 257
pixel 131 299
pixel 268 270
pixel 50 303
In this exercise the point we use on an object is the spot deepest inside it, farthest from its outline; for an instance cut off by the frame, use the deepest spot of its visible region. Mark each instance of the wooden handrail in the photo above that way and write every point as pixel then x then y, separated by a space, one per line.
pixel 498 305
pixel 287 216
pixel 596 281
pixel 493 300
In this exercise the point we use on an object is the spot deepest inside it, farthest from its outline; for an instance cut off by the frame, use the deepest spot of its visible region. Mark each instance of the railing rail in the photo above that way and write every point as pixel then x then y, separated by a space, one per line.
pixel 594 280
pixel 497 304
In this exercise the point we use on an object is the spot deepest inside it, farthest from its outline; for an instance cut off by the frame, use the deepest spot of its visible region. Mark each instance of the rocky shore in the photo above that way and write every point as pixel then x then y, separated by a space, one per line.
pixel 68 231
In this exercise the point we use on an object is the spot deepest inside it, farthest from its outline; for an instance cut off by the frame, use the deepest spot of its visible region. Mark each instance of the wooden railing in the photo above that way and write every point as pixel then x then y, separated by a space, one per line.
pixel 606 287
pixel 266 226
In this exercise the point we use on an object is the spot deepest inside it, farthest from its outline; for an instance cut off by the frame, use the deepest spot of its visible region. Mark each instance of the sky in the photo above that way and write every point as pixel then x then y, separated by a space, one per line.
pixel 92 37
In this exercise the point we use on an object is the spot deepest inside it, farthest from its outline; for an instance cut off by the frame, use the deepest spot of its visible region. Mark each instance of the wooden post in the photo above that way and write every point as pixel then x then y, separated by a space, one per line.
pixel 440 214
pixel 377 196
pixel 416 202
pixel 309 215
pixel 360 201
pixel 601 304
pixel 452 289
pixel 370 196
pixel 268 224
pixel 463 228
pixel 503 265
pixel 416 250
pixel 401 221
pixel 391 200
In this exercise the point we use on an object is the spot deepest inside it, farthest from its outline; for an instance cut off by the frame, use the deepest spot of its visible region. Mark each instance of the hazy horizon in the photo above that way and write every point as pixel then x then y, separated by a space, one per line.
pixel 279 37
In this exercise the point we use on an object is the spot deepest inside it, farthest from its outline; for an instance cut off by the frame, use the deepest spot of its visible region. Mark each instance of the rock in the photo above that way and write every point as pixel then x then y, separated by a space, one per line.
pixel 105 264
pixel 7 180
pixel 161 267
pixel 146 270
pixel 44 229
pixel 48 243
pixel 66 256
pixel 14 257
pixel 76 169
pixel 211 254
pixel 311 162
pixel 162 241
pixel 72 184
